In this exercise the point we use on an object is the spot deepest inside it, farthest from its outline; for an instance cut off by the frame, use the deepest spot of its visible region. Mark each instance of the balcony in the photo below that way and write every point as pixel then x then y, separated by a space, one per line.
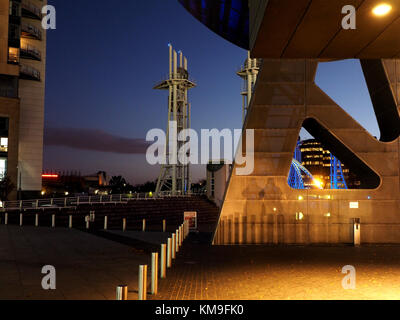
pixel 30 32
pixel 30 52
pixel 29 73
pixel 30 11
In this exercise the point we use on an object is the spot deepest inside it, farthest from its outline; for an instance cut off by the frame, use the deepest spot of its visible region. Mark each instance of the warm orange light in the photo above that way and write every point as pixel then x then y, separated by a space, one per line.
pixel 50 176
pixel 382 9
pixel 318 183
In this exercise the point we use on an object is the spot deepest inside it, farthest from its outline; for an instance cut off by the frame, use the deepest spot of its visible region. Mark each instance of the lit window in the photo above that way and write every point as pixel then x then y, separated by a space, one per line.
pixel 4 144
pixel 13 55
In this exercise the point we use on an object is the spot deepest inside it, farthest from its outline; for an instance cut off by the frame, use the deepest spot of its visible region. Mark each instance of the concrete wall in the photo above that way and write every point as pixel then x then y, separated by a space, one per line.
pixel 262 208
pixel 257 11
pixel 32 95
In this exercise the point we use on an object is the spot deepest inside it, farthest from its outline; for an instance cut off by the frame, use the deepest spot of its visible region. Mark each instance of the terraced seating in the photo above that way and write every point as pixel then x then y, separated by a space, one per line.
pixel 134 211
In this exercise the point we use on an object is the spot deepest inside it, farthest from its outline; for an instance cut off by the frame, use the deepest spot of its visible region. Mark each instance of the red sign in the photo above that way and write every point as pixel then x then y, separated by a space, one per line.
pixel 191 216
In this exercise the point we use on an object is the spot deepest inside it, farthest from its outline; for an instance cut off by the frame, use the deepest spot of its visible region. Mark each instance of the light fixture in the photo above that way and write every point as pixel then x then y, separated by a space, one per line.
pixel 301 198
pixel 382 9
pixel 318 183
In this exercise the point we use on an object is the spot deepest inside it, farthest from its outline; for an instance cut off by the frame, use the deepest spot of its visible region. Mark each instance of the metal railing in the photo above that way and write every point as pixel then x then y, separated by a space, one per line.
pixel 29 72
pixel 31 8
pixel 31 30
pixel 30 51
pixel 69 202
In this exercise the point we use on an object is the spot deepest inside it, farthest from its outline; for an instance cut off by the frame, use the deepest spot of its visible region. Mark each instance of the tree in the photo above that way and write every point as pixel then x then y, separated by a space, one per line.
pixel 6 187
pixel 118 185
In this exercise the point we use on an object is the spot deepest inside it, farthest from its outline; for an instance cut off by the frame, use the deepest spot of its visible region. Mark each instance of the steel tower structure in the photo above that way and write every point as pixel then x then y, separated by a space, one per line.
pixel 248 73
pixel 174 177
pixel 337 177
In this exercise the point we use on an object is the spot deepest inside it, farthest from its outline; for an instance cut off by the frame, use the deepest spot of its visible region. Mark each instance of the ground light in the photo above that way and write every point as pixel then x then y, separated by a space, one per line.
pixel 382 9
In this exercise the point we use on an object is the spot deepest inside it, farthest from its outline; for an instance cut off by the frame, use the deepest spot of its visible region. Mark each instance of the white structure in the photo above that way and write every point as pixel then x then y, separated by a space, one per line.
pixel 175 179
pixel 217 179
pixel 248 73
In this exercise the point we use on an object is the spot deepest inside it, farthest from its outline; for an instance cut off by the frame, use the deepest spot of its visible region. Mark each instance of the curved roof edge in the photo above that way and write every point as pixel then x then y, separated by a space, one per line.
pixel 227 18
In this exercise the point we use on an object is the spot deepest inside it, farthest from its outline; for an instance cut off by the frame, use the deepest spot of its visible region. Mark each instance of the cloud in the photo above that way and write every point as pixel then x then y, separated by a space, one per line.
pixel 94 140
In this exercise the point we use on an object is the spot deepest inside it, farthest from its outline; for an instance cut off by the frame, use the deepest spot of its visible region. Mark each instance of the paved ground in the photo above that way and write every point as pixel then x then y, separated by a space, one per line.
pixel 288 273
pixel 87 266
pixel 90 267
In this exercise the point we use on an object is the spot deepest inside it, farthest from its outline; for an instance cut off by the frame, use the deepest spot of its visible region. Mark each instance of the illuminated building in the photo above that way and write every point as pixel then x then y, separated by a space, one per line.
pixel 317 160
pixel 22 86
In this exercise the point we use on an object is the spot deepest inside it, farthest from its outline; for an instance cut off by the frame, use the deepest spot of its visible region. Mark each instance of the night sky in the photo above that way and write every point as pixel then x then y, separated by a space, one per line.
pixel 104 59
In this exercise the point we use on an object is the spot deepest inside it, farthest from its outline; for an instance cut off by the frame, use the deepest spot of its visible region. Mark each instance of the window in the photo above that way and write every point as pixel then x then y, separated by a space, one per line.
pixel 13 55
pixel 15 9
pixel 3 168
pixel 3 144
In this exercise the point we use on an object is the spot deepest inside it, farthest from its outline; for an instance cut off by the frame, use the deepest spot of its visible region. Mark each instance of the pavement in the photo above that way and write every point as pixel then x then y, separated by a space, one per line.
pixel 87 267
pixel 90 266
pixel 203 272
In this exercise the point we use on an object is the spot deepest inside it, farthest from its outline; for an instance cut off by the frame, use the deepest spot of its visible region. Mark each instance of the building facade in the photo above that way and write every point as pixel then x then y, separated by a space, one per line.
pixel 317 159
pixel 22 91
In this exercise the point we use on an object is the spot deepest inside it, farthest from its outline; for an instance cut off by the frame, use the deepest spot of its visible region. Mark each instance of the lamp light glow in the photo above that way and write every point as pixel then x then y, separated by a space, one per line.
pixel 382 9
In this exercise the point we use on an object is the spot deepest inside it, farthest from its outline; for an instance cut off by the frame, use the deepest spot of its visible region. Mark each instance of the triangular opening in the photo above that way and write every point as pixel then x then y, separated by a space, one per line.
pixel 321 161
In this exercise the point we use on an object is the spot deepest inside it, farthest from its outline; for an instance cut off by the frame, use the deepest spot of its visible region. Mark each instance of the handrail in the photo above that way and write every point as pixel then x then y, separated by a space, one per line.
pixel 31 8
pixel 31 50
pixel 67 202
pixel 28 28
pixel 30 71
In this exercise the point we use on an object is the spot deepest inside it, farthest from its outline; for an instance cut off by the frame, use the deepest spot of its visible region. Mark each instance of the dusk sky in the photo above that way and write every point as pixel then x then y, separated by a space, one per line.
pixel 103 61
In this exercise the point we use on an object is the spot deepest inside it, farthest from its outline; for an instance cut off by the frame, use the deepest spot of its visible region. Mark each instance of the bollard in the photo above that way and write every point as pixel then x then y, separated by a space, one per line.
pixel 36 220
pixel 122 292
pixel 6 218
pixel 169 253
pixel 143 282
pixel 154 273
pixel 163 267
pixel 53 221
pixel 173 250
pixel 177 240
pixel 105 222
pixel 164 223
pixel 21 218
pixel 144 225
pixel 357 231
pixel 87 219
pixel 180 236
pixel 124 224
pixel 70 222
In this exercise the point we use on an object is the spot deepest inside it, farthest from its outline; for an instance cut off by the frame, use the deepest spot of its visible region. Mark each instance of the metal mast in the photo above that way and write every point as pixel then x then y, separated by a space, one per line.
pixel 248 73
pixel 174 177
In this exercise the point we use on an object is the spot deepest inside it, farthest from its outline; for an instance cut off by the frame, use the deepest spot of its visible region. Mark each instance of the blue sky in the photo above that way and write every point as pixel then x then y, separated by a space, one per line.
pixel 103 61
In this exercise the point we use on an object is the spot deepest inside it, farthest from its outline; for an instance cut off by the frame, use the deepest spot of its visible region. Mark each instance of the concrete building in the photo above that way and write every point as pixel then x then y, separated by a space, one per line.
pixel 292 37
pixel 22 90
